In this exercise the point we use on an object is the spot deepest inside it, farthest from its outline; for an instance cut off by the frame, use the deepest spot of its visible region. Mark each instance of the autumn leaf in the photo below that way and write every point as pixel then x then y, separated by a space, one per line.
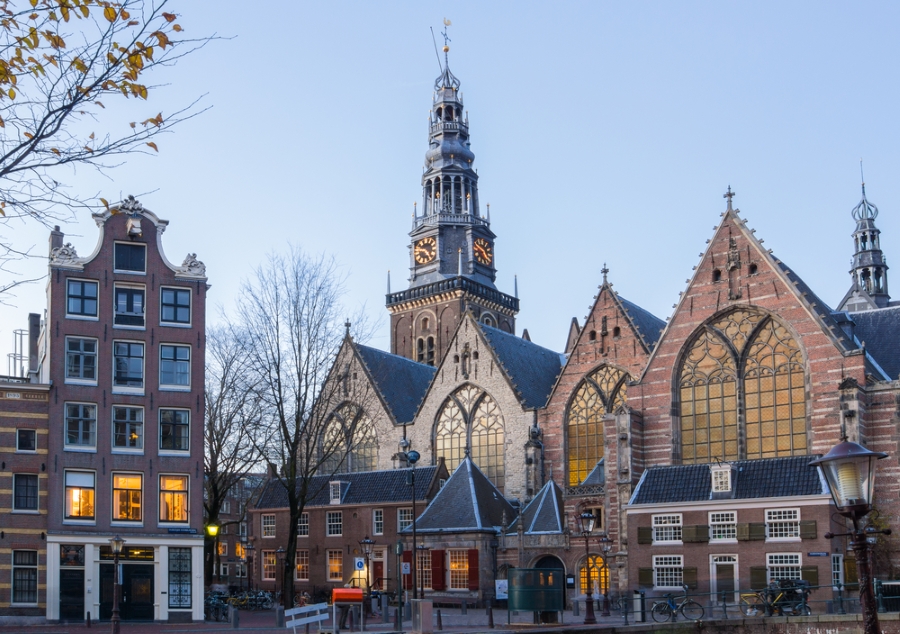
pixel 169 17
pixel 110 14
pixel 92 136
pixel 88 149
pixel 28 135
pixel 100 103
pixel 12 93
pixel 153 145
pixel 34 4
pixel 162 38
pixel 176 28
pixel 55 151
pixel 2 123
pixel 65 12
pixel 132 124
pixel 105 203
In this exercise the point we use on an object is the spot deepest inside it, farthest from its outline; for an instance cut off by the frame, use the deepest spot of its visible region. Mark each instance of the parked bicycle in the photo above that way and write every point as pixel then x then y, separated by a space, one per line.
pixel 787 597
pixel 668 610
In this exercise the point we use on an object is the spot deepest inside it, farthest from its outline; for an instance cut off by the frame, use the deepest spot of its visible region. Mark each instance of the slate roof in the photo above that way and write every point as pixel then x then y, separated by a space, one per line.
pixel 531 368
pixel 368 487
pixel 468 501
pixel 597 474
pixel 402 383
pixel 648 326
pixel 768 477
pixel 545 514
pixel 880 330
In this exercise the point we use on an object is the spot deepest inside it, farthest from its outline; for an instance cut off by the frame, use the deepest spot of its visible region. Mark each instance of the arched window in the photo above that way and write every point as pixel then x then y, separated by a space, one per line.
pixel 741 391
pixel 602 392
pixel 471 418
pixel 349 443
pixel 599 575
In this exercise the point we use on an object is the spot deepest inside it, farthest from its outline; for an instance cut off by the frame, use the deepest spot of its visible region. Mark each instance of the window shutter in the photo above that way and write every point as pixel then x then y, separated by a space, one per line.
pixel 810 574
pixel 645 577
pixel 689 576
pixel 757 531
pixel 645 535
pixel 407 579
pixel 808 529
pixel 438 579
pixel 850 575
pixel 693 534
pixel 758 579
pixel 743 532
pixel 473 569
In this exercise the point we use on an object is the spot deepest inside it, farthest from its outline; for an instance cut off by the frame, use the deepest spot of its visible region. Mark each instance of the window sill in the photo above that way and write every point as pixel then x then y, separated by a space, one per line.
pixel 133 391
pixel 77 522
pixel 83 317
pixel 26 451
pixel 175 525
pixel 133 523
pixel 723 541
pixel 80 449
pixel 128 451
pixel 172 453
pixel 85 382
pixel 127 327
pixel 660 588
pixel 671 543
pixel 173 324
pixel 25 511
pixel 144 273
pixel 782 540
pixel 174 388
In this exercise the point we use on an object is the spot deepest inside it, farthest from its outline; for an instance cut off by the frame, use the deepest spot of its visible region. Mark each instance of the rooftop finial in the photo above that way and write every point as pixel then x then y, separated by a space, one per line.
pixel 862 178
pixel 446 40
pixel 604 270
pixel 347 327
pixel 729 195
pixel 446 80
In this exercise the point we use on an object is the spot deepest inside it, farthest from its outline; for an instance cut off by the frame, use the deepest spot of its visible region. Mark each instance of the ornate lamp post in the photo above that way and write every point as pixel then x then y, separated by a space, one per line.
pixel 249 551
pixel 849 469
pixel 605 549
pixel 586 525
pixel 116 543
pixel 366 545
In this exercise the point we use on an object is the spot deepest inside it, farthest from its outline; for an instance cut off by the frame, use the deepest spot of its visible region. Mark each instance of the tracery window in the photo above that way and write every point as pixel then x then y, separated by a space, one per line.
pixel 601 393
pixel 599 575
pixel 471 418
pixel 349 443
pixel 748 361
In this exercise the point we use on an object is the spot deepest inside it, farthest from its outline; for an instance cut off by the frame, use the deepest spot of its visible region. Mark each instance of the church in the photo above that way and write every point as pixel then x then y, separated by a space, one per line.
pixel 687 439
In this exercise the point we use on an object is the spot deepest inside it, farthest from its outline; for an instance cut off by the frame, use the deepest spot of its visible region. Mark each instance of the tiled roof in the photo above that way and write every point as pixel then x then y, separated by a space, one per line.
pixel 768 477
pixel 402 383
pixel 880 330
pixel 367 487
pixel 468 501
pixel 649 327
pixel 597 474
pixel 531 368
pixel 544 514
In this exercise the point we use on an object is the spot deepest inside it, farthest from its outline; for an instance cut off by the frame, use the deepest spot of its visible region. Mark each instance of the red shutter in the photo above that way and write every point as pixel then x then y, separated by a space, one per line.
pixel 438 578
pixel 473 569
pixel 407 579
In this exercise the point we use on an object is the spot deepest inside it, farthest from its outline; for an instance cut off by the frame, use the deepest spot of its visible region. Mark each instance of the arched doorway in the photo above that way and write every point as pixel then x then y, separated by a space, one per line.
pixel 550 561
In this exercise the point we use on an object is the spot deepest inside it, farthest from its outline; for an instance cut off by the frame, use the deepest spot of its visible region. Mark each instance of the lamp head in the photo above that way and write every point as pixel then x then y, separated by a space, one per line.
pixel 212 529
pixel 849 469
pixel 116 543
pixel 586 522
pixel 413 456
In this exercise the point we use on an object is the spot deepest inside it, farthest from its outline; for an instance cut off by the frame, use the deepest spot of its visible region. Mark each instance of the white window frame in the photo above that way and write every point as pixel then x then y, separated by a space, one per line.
pixel 785 528
pixel 226 507
pixel 672 565
pixel 240 570
pixel 777 565
pixel 130 389
pixel 93 488
pixel 725 522
pixel 378 521
pixel 117 521
pixel 837 571
pixel 222 549
pixel 115 306
pixel 334 492
pixel 672 523
pixel 303 525
pixel 92 447
pixel 176 324
pixel 267 525
pixel 334 520
pixel 269 563
pixel 37 494
pixel 721 479
pixel 404 523
pixel 80 380
pixel 34 435
pixel 223 569
pixel 301 556
pixel 457 581
pixel 175 387
pixel 130 244
pixel 338 555
pixel 96 315
pixel 37 577
pixel 169 451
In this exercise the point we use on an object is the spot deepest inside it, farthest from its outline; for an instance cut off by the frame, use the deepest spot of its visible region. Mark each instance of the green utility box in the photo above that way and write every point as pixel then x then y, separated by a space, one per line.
pixel 536 590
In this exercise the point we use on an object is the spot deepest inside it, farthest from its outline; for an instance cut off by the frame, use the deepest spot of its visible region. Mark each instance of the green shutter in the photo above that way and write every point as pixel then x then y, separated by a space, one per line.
pixel 810 574
pixel 645 577
pixel 690 577
pixel 757 531
pixel 645 535
pixel 743 532
pixel 695 534
pixel 808 529
pixel 850 575
pixel 758 579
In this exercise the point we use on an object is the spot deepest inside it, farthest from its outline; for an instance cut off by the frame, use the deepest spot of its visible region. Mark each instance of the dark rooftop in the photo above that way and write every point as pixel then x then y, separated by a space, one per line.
pixel 544 514
pixel 531 368
pixel 880 330
pixel 402 383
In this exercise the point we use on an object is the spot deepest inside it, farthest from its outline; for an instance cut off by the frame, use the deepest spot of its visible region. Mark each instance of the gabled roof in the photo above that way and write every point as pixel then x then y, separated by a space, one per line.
pixel 597 474
pixel 764 478
pixel 545 514
pixel 468 501
pixel 367 487
pixel 647 325
pixel 400 382
pixel 880 330
pixel 531 369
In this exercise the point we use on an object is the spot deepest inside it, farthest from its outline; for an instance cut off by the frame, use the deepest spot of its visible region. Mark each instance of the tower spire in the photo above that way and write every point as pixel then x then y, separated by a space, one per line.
pixel 868 268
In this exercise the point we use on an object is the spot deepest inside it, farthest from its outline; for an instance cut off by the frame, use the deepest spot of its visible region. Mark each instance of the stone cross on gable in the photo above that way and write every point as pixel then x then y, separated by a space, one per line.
pixel 729 195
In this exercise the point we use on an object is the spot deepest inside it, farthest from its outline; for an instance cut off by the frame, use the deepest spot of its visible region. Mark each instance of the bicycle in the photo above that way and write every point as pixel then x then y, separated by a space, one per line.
pixel 779 597
pixel 668 610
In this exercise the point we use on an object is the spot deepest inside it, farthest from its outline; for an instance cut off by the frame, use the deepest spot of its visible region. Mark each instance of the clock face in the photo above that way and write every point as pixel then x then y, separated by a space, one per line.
pixel 425 250
pixel 483 251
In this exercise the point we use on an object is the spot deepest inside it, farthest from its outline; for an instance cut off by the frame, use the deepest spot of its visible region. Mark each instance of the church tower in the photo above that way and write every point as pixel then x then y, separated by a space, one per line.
pixel 868 269
pixel 451 252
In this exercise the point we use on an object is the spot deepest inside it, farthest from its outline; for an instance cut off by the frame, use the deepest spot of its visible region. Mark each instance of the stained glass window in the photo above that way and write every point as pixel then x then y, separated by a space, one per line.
pixel 349 443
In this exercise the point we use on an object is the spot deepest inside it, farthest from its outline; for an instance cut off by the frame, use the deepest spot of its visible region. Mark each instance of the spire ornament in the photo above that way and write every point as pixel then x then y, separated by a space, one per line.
pixel 729 195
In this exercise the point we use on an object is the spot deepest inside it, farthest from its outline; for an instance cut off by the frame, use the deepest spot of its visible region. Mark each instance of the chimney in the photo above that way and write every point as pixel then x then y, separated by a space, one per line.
pixel 56 238
pixel 34 334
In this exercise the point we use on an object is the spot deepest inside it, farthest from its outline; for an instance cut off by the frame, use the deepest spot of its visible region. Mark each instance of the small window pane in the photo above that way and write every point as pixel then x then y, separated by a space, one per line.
pixel 176 305
pixel 129 362
pixel 25 492
pixel 128 423
pixel 129 307
pixel 81 298
pixel 131 257
pixel 26 440
pixel 81 358
pixel 174 429
pixel 81 425
pixel 174 365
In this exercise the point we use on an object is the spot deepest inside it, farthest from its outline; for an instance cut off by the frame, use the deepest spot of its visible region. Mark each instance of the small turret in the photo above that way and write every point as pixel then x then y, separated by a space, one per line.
pixel 868 269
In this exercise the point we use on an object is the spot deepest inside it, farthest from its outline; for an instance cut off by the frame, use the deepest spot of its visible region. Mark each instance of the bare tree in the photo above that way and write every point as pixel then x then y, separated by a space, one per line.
pixel 232 416
pixel 292 315
pixel 59 61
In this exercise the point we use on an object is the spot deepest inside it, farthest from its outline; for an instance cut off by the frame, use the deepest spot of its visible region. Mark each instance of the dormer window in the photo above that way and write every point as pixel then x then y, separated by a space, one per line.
pixel 721 479
pixel 334 492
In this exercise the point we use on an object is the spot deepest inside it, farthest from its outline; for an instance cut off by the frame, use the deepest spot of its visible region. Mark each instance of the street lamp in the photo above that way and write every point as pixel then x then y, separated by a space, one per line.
pixel 412 457
pixel 605 549
pixel 249 551
pixel 849 469
pixel 586 524
pixel 421 550
pixel 212 530
pixel 366 545
pixel 116 543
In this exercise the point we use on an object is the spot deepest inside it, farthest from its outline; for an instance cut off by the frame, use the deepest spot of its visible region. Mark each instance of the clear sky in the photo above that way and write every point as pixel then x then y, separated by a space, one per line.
pixel 602 131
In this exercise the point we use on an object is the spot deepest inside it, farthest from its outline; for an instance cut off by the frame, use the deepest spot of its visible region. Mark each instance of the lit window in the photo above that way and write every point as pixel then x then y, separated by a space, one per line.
pixel 81 426
pixel 24 576
pixel 129 306
pixel 459 569
pixel 668 571
pixel 302 569
pixel 223 549
pixel 81 298
pixel 303 525
pixel 783 566
pixel 127 497
pixel 335 565
pixel 129 364
pixel 404 519
pixel 240 550
pixel 175 306
pixel 599 574
pixel 173 498
pixel 378 522
pixel 79 495
pixel 334 523
pixel 268 526
pixel 175 366
pixel 25 492
pixel 667 528
pixel 269 565
pixel 723 526
pixel 783 524
pixel 130 257
pixel 174 429
pixel 26 440
pixel 179 577
pixel 81 359
pixel 128 424
pixel 471 418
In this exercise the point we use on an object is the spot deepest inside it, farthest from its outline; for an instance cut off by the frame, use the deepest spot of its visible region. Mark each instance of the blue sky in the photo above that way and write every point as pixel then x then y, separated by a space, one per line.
pixel 603 132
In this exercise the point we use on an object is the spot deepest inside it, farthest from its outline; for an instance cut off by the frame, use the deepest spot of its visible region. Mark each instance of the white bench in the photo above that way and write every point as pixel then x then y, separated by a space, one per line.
pixel 304 616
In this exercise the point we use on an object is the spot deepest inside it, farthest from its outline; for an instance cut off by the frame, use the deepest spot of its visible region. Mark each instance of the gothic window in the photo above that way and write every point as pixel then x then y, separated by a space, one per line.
pixel 471 418
pixel 746 361
pixel 349 444
pixel 602 392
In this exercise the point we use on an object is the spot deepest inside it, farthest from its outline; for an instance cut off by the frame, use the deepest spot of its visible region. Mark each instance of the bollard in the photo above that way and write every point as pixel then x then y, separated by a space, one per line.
pixel 235 617
pixel 490 615
pixel 643 605
pixel 279 616
pixel 625 609
pixel 841 609
pixel 385 616
pixel 407 611
pixel 575 610
pixel 465 606
pixel 88 621
pixel 440 622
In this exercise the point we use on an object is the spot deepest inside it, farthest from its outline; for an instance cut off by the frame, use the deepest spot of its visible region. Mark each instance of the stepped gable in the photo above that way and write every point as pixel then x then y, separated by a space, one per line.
pixel 763 478
pixel 544 515
pixel 366 487
pixel 468 501
pixel 879 329
pixel 401 383
pixel 531 369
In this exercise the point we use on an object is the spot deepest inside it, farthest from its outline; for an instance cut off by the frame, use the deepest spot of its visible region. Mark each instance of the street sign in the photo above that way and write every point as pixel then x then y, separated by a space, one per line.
pixel 359 563
pixel 404 568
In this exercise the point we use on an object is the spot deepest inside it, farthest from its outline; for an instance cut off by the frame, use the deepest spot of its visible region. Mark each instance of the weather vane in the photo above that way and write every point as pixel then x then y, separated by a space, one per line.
pixel 446 37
